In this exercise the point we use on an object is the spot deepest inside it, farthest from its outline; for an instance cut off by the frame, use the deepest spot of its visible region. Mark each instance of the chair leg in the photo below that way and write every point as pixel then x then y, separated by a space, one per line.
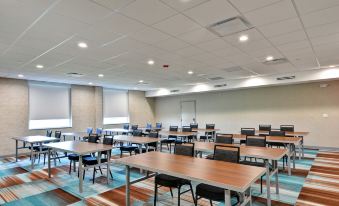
pixel 171 192
pixel 179 195
pixel 211 203
pixel 70 167
pixel 261 184
pixel 83 176
pixel 196 200
pixel 44 158
pixel 120 154
pixel 191 188
pixel 100 170
pixel 155 194
pixel 110 172
pixel 94 170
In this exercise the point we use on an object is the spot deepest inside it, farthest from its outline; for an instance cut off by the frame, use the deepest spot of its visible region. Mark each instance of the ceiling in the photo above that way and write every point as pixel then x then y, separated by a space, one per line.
pixel 123 35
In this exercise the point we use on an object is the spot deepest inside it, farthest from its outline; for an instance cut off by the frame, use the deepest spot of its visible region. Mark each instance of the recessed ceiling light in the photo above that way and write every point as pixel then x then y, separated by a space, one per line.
pixel 100 75
pixel 82 45
pixel 243 38
pixel 21 76
pixel 39 66
pixel 331 66
pixel 141 81
pixel 90 83
pixel 269 58
pixel 150 62
pixel 190 72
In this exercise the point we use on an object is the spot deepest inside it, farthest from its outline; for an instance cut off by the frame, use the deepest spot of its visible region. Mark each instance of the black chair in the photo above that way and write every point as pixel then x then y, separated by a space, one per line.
pixel 278 144
pixel 221 139
pixel 221 153
pixel 89 130
pixel 93 160
pixel 256 141
pixel 247 131
pixel 150 146
pixel 74 158
pixel 194 127
pixel 134 127
pixel 130 147
pixel 208 135
pixel 49 133
pixel 98 131
pixel 189 138
pixel 264 129
pixel 126 127
pixel 57 134
pixel 164 180
pixel 287 128
pixel 170 139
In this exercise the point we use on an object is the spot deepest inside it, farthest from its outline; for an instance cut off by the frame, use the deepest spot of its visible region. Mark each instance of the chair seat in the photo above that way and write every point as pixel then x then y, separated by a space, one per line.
pixel 128 148
pixel 257 164
pixel 75 157
pixel 210 157
pixel 276 144
pixel 37 148
pixel 212 192
pixel 143 150
pixel 90 160
pixel 167 141
pixel 170 181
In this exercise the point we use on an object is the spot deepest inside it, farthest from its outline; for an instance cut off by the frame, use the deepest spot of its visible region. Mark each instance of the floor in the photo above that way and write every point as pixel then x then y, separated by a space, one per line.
pixel 20 187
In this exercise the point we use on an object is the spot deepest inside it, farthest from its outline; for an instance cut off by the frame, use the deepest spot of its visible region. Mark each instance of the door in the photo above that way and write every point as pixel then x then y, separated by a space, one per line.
pixel 188 112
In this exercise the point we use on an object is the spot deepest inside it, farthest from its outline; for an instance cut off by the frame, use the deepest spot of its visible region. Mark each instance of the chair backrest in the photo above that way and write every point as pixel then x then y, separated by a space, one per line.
pixel 186 129
pixel 186 149
pixel 49 133
pixel 126 126
pixel 57 134
pixel 257 141
pixel 287 128
pixel 277 133
pixel 173 128
pixel 149 126
pixel 224 138
pixel 98 131
pixel 265 127
pixel 108 140
pixel 153 134
pixel 210 126
pixel 158 125
pixel 226 153
pixel 89 130
pixel 248 131
pixel 134 127
pixel 93 138
pixel 137 133
pixel 194 126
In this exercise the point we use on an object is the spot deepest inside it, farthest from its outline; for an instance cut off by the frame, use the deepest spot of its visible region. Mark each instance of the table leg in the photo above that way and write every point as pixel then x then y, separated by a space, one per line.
pixel 268 184
pixel 276 176
pixel 300 150
pixel 32 157
pixel 108 164
pixel 289 159
pixel 294 151
pixel 80 173
pixel 49 162
pixel 228 201
pixel 127 185
pixel 16 150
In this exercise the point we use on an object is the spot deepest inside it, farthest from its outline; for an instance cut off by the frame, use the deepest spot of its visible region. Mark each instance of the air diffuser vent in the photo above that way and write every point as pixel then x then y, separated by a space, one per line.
pixel 276 61
pixel 215 78
pixel 74 74
pixel 286 78
pixel 220 85
pixel 229 26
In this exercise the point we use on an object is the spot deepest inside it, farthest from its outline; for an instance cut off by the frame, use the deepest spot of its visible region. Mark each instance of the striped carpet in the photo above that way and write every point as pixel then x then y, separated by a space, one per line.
pixel 19 186
pixel 322 183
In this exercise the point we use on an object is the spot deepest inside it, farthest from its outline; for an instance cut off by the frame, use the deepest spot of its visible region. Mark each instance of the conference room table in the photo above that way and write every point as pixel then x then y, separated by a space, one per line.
pixel 139 140
pixel 80 148
pixel 116 130
pixel 204 130
pixel 294 134
pixel 75 135
pixel 290 142
pixel 229 176
pixel 33 141
pixel 265 153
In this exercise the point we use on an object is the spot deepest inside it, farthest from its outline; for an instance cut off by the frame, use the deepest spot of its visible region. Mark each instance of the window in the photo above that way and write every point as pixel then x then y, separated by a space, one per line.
pixel 49 105
pixel 115 106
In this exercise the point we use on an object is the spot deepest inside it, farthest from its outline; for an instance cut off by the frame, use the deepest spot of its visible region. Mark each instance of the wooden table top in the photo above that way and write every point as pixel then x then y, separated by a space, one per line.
pixel 135 139
pixel 116 130
pixel 286 133
pixel 77 134
pixel 249 151
pixel 79 147
pixel 204 130
pixel 236 177
pixel 36 139
pixel 278 139
pixel 177 133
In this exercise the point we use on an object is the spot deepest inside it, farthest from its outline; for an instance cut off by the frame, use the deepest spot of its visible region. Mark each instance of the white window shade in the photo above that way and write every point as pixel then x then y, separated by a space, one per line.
pixel 49 106
pixel 115 106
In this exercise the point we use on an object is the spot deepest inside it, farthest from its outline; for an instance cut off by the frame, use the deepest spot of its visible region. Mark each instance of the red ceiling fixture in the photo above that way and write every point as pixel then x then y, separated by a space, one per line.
pixel 165 66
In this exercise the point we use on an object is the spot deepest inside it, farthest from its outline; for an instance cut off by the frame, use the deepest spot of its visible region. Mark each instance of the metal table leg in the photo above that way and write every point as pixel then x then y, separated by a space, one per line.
pixel 268 184
pixel 80 174
pixel 32 157
pixel 275 163
pixel 289 159
pixel 228 201
pixel 16 150
pixel 49 162
pixel 127 185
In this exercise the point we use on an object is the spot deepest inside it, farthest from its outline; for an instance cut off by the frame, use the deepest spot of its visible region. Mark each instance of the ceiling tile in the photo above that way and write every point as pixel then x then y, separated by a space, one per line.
pixel 215 44
pixel 197 36
pixel 281 27
pixel 307 6
pixel 181 5
pixel 189 51
pixel 172 44
pixel 275 12
pixel 148 11
pixel 323 30
pixel 149 35
pixel 176 25
pixel 324 16
pixel 113 4
pixel 212 12
pixel 245 5
pixel 288 38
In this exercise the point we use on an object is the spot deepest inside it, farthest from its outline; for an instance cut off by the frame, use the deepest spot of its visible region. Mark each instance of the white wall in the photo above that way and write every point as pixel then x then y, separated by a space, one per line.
pixel 301 105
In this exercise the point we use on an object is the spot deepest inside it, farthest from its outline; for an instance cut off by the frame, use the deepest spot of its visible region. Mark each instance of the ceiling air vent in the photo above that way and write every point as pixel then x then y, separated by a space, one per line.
pixel 229 26
pixel 175 90
pixel 276 61
pixel 74 74
pixel 286 78
pixel 220 85
pixel 215 78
